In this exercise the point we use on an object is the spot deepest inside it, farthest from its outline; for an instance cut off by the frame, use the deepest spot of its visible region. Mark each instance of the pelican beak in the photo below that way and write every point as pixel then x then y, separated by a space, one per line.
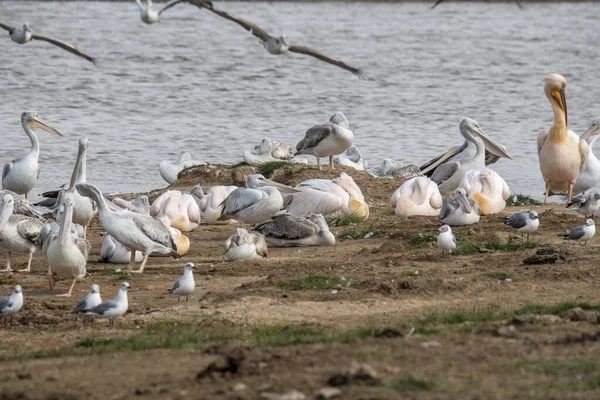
pixel 464 202
pixel 561 98
pixel 38 123
pixel 591 131
pixel 279 186
pixel 433 164
pixel 490 145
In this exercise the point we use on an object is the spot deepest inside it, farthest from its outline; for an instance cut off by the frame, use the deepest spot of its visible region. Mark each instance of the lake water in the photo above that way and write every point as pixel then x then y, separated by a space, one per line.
pixel 201 83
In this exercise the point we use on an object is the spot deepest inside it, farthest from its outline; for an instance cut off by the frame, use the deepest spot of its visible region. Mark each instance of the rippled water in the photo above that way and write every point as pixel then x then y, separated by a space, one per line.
pixel 201 83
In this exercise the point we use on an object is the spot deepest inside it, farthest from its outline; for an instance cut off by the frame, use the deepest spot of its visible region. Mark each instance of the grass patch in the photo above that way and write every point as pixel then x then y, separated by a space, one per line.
pixel 115 271
pixel 574 374
pixel 346 220
pixel 493 244
pixel 353 234
pixel 421 238
pixel 268 168
pixel 317 282
pixel 520 199
pixel 501 276
pixel 413 272
pixel 408 383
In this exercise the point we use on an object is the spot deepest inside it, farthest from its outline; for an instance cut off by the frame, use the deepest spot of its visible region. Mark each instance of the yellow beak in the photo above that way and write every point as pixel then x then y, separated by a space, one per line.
pixel 38 123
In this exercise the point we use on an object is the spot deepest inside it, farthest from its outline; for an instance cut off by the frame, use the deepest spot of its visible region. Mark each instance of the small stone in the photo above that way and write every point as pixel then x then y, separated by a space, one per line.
pixel 507 331
pixel 334 291
pixel 239 387
pixel 328 393
pixel 292 395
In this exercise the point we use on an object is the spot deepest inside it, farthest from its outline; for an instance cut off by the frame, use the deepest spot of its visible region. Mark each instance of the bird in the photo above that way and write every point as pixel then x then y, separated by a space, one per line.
pixel 328 139
pixel 587 203
pixel 89 302
pixel 352 157
pixel 11 305
pixel 487 188
pixel 244 245
pixel 417 196
pixel 169 170
pixel 185 285
pixel 446 240
pixel 524 222
pixel 268 151
pixel 18 233
pixel 215 199
pixel 84 208
pixel 139 205
pixel 449 172
pixel 135 231
pixel 584 232
pixel 25 34
pixel 67 254
pixel 589 176
pixel 114 308
pixel 181 210
pixel 280 45
pixel 114 252
pixel 22 206
pixel 441 1
pixel 561 152
pixel 287 230
pixel 389 168
pixel 151 16
pixel 459 210
pixel 20 175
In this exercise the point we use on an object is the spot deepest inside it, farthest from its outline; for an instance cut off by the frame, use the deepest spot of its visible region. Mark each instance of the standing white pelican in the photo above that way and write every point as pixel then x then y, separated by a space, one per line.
pixel 589 176
pixel 20 175
pixel 135 231
pixel 243 245
pixel 328 139
pixel 180 208
pixel 24 35
pixel 562 153
pixel 84 208
pixel 417 196
pixel 448 174
pixel 18 233
pixel 459 210
pixel 286 230
pixel 351 158
pixel 487 188
pixel 268 151
pixel 66 254
pixel 170 169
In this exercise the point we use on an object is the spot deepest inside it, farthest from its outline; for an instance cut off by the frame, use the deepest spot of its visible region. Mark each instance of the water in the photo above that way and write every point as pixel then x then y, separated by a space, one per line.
pixel 201 83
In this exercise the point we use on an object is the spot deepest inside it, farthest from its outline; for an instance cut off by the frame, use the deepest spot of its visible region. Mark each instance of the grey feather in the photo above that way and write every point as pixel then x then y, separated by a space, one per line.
pixel 238 200
pixel 517 220
pixel 287 227
pixel 175 286
pixel 578 200
pixel 22 206
pixel 154 230
pixel 5 303
pixel 29 227
pixel 445 171
pixel 449 205
pixel 576 233
pixel 6 169
pixel 103 307
pixel 314 136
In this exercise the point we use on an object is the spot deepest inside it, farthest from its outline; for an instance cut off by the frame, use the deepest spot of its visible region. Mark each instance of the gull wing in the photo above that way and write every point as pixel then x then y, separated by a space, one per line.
pixel 10 29
pixel 576 233
pixel 67 47
pixel 314 136
pixel 517 220
pixel 314 53
pixel 249 26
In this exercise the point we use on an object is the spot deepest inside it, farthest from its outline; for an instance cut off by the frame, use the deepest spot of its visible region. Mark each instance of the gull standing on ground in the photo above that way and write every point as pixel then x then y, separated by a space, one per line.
pixel 587 204
pixel 446 240
pixel 460 210
pixel 135 231
pixel 524 222
pixel 185 285
pixel 114 308
pixel 583 232
pixel 84 208
pixel 589 176
pixel 287 230
pixel 328 139
pixel 169 170
pixel 18 233
pixel 243 245
pixel 20 175
pixel 90 301
pixel 11 305
pixel 417 196
pixel 25 34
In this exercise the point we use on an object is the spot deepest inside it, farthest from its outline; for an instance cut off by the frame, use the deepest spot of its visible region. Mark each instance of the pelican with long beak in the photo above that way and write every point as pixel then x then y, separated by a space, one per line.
pixel 459 210
pixel 20 175
pixel 84 208
pixel 449 172
pixel 562 153
pixel 590 174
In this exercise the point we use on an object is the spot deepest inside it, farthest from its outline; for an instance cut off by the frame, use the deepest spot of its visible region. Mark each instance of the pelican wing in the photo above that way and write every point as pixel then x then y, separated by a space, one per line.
pixel 30 228
pixel 323 57
pixel 314 136
pixel 249 26
pixel 22 206
pixel 84 246
pixel 154 230
pixel 312 201
pixel 66 47
pixel 541 140
pixel 429 167
pixel 584 150
pixel 240 199
pixel 199 3
pixel 287 227
pixel 10 29
pixel 445 171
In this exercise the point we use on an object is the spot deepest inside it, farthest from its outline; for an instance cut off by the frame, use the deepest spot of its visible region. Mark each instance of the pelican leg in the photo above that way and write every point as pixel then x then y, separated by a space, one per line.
pixel 570 191
pixel 8 263
pixel 319 163
pixel 331 162
pixel 131 260
pixel 68 294
pixel 139 271
pixel 547 192
pixel 51 279
pixel 27 196
pixel 28 269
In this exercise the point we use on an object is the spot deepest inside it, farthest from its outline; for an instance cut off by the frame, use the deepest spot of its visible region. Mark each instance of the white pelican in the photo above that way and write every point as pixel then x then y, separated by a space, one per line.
pixel 448 173
pixel 589 176
pixel 20 175
pixel 115 253
pixel 114 308
pixel 67 255
pixel 214 204
pixel 170 169
pixel 139 205
pixel 562 153
pixel 389 168
pixel 441 1
pixel 243 245
pixel 136 231
pixel 487 188
pixel 328 139
pixel 185 285
pixel 524 222
pixel 18 233
pixel 351 158
pixel 286 230
pixel 11 305
pixel 268 151
pixel 51 230
pixel 459 210
pixel 417 196
pixel 280 45
pixel 25 34
pixel 583 232
pixel 254 203
pixel 180 208
pixel 446 240
pixel 84 209
pixel 587 203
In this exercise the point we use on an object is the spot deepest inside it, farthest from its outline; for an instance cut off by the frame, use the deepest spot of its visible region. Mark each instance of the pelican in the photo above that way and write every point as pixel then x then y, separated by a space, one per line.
pixel 487 188
pixel 417 196
pixel 351 158
pixel 17 233
pixel 115 253
pixel 170 169
pixel 441 1
pixel 22 206
pixel 214 204
pixel 589 176
pixel 51 230
pixel 268 151
pixel 136 231
pixel 280 45
pixel 243 245
pixel 20 175
pixel 562 153
pixel 139 205
pixel 449 174
pixel 67 255
pixel 181 210
pixel 286 231
pixel 253 204
pixel 25 34
pixel 328 139
pixel 389 168
pixel 459 210
pixel 84 208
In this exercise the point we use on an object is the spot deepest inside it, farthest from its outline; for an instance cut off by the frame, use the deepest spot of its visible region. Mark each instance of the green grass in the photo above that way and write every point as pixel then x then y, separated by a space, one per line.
pixel 421 238
pixel 494 244
pixel 353 234
pixel 520 199
pixel 573 374
pixel 346 220
pixel 317 282
pixel 408 383
pixel 414 272
pixel 501 276
pixel 267 169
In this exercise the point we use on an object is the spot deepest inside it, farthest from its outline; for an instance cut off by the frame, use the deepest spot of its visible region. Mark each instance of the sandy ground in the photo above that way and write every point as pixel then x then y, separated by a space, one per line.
pixel 550 358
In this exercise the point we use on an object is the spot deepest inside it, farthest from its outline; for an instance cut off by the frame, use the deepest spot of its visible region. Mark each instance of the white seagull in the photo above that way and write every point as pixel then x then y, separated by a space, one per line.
pixel 90 301
pixel 583 232
pixel 446 240
pixel 114 308
pixel 185 285
pixel 524 222
pixel 459 210
pixel 268 151
pixel 170 169
pixel 11 305
pixel 587 203
pixel 243 245
pixel 287 230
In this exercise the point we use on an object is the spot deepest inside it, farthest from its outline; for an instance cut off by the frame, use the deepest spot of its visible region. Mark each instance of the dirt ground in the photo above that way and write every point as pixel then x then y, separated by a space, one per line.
pixel 431 335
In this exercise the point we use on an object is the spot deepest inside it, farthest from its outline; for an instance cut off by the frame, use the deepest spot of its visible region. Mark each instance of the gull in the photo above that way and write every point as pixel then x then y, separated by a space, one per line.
pixel 459 210
pixel 287 230
pixel 89 302
pixel 441 1
pixel 268 151
pixel 185 285
pixel 587 204
pixel 589 176
pixel 25 34
pixel 417 196
pixel 11 305
pixel 524 222
pixel 446 240
pixel 351 158
pixel 583 232
pixel 389 168
pixel 114 308
pixel 169 170
pixel 328 139
pixel 244 245
pixel 280 45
